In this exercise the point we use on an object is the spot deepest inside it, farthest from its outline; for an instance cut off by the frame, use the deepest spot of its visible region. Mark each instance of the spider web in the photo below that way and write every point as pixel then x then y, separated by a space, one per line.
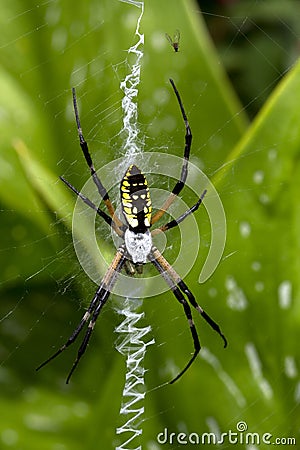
pixel 38 281
pixel 132 345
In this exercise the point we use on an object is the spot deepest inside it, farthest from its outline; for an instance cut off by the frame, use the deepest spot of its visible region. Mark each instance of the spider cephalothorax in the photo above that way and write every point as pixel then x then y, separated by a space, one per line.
pixel 137 246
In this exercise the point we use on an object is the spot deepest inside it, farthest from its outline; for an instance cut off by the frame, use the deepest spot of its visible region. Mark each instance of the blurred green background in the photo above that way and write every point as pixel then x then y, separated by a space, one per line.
pixel 236 71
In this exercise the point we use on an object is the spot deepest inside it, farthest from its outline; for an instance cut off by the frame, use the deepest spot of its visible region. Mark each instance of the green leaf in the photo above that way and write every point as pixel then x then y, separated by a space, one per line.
pixel 254 293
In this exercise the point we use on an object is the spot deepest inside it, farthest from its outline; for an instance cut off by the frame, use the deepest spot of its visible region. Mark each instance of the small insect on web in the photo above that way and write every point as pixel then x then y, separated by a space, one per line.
pixel 175 41
pixel 137 247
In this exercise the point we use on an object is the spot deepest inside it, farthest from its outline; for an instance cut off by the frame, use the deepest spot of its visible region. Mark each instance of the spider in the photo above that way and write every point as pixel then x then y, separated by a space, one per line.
pixel 137 247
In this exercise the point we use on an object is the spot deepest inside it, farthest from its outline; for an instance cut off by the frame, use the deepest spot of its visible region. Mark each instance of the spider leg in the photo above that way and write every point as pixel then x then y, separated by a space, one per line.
pixel 187 310
pixel 94 309
pixel 205 316
pixel 107 283
pixel 84 147
pixel 175 222
pixel 184 170
pixel 75 333
pixel 180 283
pixel 102 300
pixel 173 279
pixel 111 222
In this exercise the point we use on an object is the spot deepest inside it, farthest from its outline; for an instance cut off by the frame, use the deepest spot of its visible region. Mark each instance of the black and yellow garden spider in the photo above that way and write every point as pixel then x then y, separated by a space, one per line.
pixel 137 247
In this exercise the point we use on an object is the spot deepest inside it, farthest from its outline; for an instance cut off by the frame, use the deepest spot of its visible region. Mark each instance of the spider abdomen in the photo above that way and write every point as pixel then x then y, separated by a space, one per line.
pixel 135 200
